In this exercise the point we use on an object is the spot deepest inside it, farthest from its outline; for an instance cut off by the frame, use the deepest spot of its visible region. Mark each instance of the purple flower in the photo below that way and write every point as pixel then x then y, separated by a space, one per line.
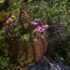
pixel 9 20
pixel 42 30
pixel 39 29
pixel 34 22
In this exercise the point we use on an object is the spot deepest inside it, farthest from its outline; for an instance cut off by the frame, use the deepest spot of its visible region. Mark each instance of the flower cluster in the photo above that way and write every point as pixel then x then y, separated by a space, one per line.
pixel 10 19
pixel 39 28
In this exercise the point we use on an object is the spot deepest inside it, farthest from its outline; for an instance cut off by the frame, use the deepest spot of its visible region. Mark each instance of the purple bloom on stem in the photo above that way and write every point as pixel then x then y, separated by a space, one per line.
pixel 34 22
pixel 9 20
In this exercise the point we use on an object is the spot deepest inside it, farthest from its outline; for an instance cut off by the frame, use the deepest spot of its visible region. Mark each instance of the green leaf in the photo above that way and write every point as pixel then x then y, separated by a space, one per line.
pixel 30 1
pixel 25 37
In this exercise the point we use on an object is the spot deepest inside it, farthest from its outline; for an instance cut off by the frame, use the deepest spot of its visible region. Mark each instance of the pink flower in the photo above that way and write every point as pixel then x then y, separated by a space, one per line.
pixel 34 22
pixel 39 29
pixel 9 20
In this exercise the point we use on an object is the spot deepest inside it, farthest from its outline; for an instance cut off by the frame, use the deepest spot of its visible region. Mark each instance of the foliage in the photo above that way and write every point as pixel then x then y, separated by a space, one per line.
pixel 54 12
pixel 25 37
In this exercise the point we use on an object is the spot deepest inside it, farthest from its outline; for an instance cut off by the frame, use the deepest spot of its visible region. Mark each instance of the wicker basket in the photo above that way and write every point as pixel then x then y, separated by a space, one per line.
pixel 26 51
pixel 32 50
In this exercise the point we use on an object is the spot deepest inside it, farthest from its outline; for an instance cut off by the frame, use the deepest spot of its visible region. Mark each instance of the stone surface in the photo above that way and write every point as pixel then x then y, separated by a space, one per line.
pixel 44 64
